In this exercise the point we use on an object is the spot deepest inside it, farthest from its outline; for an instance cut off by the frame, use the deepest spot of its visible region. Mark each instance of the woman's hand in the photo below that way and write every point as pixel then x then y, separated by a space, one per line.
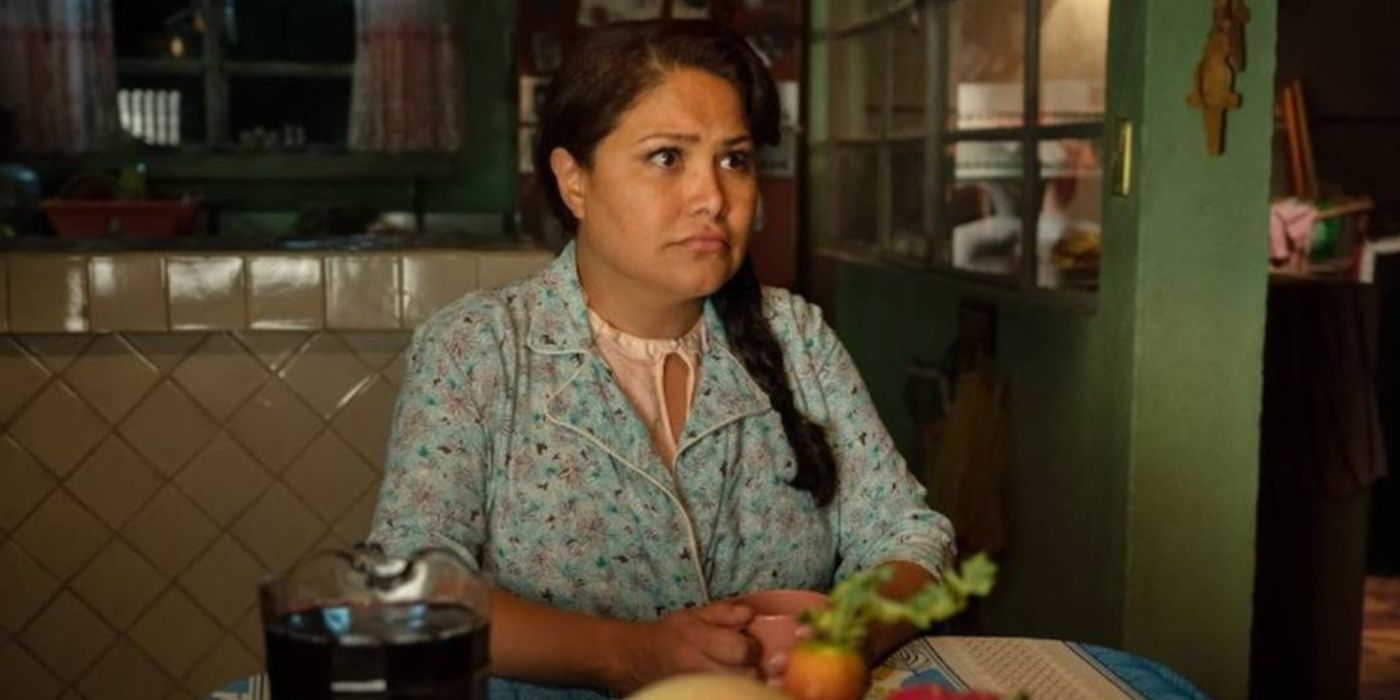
pixel 711 638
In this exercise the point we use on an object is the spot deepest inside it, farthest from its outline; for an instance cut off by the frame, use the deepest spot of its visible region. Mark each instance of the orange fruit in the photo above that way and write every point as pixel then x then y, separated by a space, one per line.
pixel 824 671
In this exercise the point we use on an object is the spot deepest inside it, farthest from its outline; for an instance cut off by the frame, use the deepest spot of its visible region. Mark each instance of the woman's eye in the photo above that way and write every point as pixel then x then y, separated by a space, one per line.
pixel 738 160
pixel 666 158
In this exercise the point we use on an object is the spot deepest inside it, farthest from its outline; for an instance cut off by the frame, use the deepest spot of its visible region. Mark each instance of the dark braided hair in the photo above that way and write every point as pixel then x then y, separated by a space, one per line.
pixel 602 76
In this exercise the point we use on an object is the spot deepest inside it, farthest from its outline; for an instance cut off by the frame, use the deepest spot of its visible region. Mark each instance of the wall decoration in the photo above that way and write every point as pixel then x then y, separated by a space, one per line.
pixel 1213 88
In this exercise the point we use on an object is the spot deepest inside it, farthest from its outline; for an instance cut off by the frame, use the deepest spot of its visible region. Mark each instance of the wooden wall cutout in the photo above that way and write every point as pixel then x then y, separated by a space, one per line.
pixel 1213 89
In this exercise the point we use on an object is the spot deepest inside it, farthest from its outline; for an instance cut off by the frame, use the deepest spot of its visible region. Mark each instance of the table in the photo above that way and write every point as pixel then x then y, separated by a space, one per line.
pixel 1042 668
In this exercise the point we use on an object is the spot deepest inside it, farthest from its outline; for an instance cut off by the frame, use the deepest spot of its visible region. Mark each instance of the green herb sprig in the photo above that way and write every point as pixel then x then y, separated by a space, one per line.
pixel 856 602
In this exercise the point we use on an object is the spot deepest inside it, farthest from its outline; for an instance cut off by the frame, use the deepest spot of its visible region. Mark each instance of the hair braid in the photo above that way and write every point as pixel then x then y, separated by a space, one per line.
pixel 740 306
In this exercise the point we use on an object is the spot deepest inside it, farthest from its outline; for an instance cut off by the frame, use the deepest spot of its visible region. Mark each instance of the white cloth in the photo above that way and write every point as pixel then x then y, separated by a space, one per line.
pixel 58 74
pixel 409 88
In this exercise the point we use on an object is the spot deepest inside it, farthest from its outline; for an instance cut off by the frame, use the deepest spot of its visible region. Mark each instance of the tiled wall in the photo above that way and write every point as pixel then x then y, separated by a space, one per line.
pixel 147 292
pixel 149 479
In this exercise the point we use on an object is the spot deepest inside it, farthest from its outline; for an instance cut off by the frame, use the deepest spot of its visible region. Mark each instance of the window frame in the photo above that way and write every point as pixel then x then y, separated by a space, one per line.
pixel 213 65
pixel 934 17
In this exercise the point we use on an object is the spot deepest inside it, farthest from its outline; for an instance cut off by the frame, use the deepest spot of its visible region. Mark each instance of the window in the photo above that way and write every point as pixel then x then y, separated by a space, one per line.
pixel 961 135
pixel 255 75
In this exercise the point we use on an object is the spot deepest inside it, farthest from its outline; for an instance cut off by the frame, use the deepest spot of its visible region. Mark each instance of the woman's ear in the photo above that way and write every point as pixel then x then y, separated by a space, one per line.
pixel 572 179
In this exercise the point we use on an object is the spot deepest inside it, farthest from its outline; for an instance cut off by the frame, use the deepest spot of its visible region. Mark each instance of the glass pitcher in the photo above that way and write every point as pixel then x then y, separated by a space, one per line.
pixel 360 625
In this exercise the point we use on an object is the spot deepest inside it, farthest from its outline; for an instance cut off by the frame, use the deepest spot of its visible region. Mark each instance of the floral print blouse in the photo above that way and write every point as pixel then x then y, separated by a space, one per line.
pixel 514 446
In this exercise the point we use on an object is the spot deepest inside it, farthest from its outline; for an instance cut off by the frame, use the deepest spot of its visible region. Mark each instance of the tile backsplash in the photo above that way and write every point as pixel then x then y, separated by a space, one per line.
pixel 147 481
pixel 231 291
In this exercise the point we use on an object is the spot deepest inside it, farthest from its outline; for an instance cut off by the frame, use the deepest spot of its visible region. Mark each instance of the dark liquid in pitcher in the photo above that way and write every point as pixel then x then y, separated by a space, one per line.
pixel 414 651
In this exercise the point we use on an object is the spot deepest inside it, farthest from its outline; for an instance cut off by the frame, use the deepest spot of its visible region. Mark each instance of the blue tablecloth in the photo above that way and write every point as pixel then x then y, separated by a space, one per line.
pixel 1043 669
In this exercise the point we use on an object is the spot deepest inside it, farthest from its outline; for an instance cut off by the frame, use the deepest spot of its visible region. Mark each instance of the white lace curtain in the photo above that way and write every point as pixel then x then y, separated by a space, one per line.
pixel 58 73
pixel 409 88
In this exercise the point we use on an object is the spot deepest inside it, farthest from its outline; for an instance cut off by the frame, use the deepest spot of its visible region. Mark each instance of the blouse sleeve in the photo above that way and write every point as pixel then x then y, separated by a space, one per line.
pixel 435 473
pixel 880 513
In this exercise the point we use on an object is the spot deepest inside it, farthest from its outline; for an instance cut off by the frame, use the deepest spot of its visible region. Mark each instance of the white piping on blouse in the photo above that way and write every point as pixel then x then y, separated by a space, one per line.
pixel 685 514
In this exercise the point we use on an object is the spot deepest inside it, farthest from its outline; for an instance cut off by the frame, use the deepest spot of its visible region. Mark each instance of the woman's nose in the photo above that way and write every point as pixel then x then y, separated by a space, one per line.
pixel 707 192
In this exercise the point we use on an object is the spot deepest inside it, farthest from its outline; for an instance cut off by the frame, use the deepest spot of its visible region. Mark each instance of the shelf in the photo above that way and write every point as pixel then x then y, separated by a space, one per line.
pixel 194 164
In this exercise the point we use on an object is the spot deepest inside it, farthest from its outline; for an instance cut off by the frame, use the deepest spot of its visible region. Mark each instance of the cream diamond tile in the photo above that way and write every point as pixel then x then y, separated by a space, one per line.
pixel 171 531
pixel 62 535
pixel 125 673
pixel 25 587
pixel 164 350
pixel 67 637
pixel 220 374
pixel 223 479
pixel 354 526
pixel 24 678
pixel 325 373
pixel 56 350
pixel 114 481
pixel 330 542
pixel 275 425
pixel 394 371
pixel 329 476
pixel 25 483
pixel 21 375
pixel 278 529
pixel 167 428
pixel 364 421
pixel 176 633
pixel 224 580
pixel 249 630
pixel 229 661
pixel 111 376
pixel 377 348
pixel 119 584
pixel 272 348
pixel 58 428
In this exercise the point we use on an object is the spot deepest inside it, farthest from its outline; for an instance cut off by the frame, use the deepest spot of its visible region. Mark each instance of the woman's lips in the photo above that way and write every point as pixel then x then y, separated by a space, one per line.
pixel 706 243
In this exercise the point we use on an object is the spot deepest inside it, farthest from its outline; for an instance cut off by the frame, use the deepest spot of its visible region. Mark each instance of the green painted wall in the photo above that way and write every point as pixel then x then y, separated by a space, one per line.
pixel 1202 281
pixel 1134 472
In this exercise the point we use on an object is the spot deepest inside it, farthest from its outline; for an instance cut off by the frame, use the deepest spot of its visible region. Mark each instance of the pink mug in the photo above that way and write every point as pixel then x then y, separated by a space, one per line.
pixel 775 623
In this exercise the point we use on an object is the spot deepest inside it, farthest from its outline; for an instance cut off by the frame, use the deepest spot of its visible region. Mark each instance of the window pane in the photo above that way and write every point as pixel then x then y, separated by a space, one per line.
pixel 821 197
pixel 311 31
pixel 1068 239
pixel 156 29
pixel 1073 58
pixel 909 101
pixel 858 84
pixel 844 12
pixel 984 208
pixel 987 63
pixel 857 205
pixel 317 110
pixel 162 111
pixel 908 232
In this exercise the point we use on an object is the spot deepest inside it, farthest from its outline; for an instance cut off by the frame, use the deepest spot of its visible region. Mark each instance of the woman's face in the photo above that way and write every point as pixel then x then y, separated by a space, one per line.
pixel 666 207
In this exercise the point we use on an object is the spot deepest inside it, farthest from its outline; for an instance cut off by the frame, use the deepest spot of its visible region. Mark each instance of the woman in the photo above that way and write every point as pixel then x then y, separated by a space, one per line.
pixel 640 432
